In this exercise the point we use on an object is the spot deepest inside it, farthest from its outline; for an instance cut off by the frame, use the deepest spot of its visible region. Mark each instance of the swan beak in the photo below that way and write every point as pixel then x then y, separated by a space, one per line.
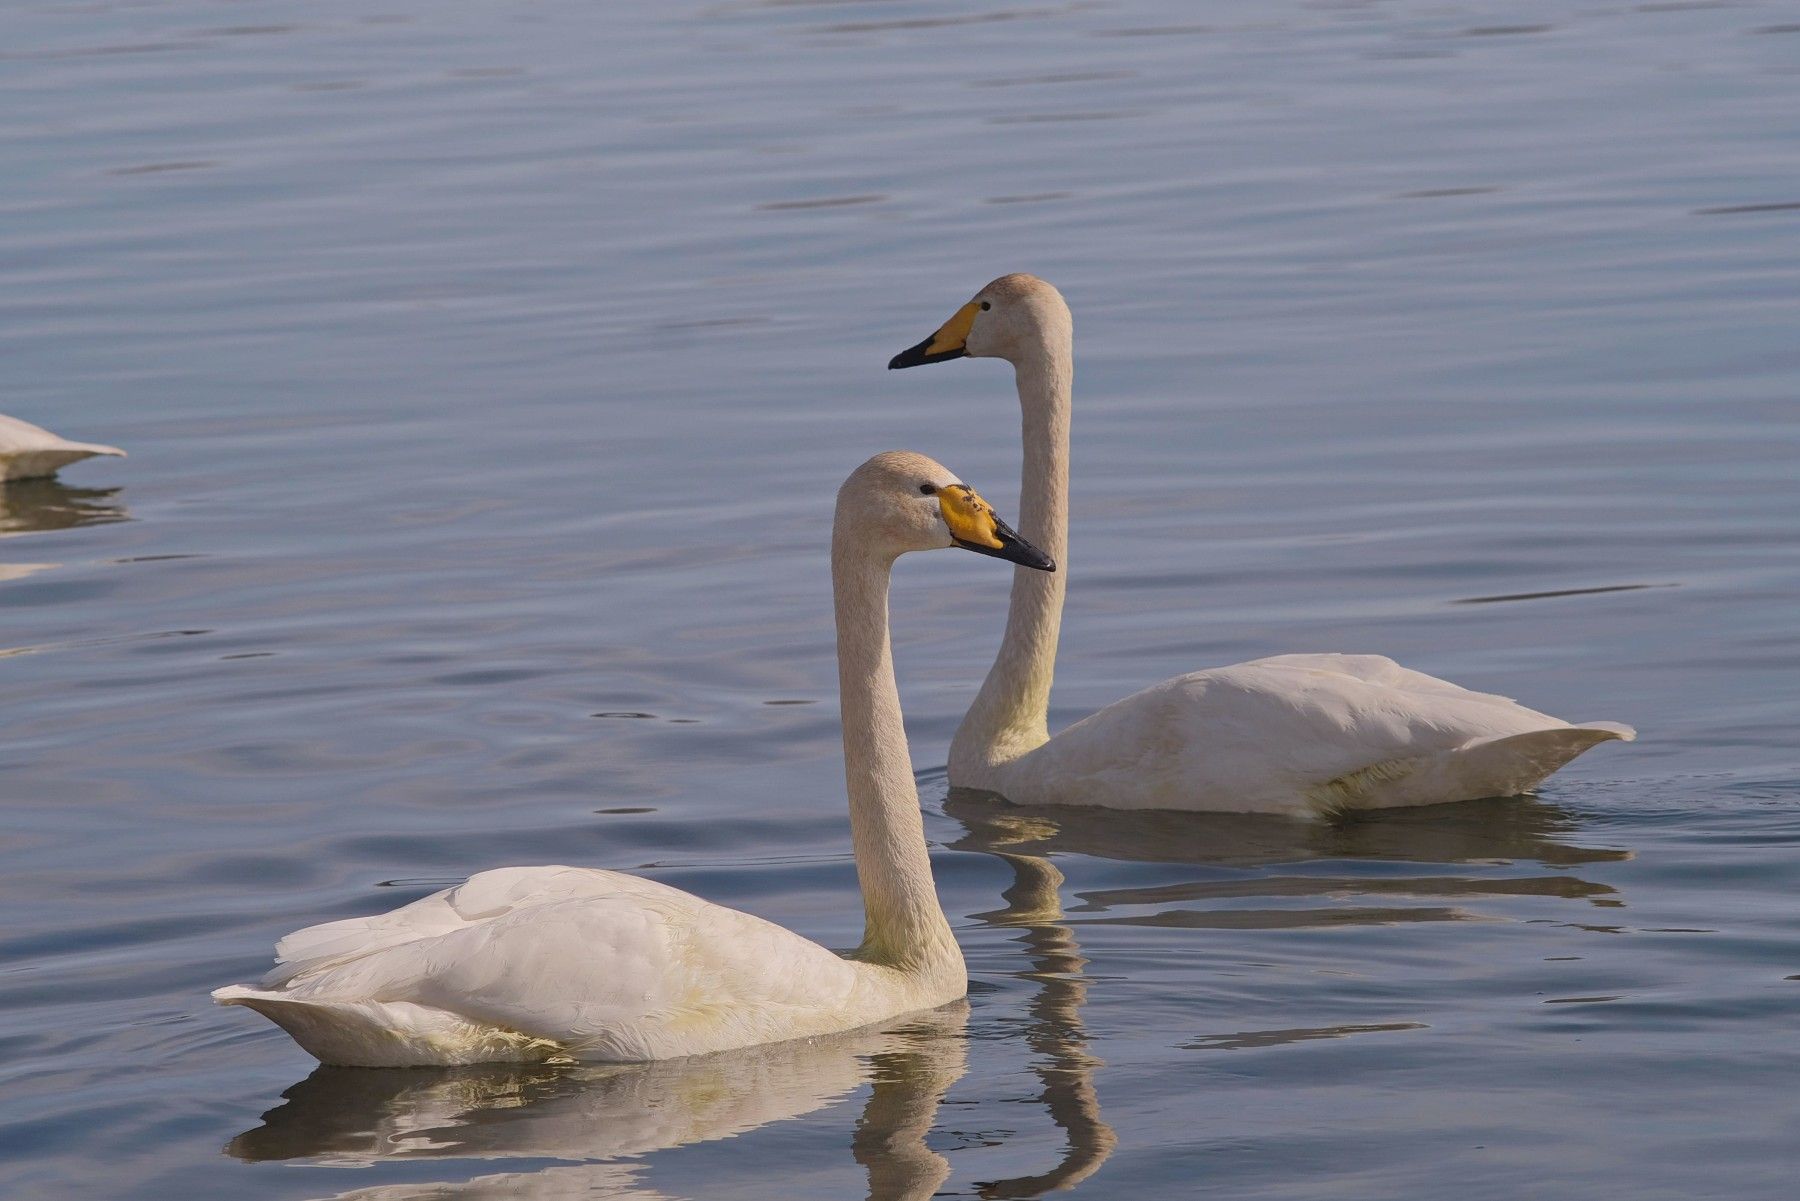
pixel 948 343
pixel 975 526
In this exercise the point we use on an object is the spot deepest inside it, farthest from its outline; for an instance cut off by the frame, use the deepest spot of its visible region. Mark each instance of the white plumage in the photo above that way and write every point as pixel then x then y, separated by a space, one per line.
pixel 538 963
pixel 29 452
pixel 553 962
pixel 1294 734
pixel 1305 735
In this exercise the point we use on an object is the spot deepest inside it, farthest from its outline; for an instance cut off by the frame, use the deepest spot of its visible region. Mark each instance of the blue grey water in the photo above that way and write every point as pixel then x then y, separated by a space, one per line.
pixel 487 370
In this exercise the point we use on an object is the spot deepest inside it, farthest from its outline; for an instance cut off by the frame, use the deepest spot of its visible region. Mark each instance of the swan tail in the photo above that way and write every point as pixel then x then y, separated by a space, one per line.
pixel 1617 729
pixel 93 448
pixel 1517 763
pixel 1504 765
pixel 387 1034
pixel 43 462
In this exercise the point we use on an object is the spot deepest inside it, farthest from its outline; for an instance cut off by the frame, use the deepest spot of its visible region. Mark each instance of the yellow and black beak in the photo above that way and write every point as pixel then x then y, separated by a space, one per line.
pixel 950 341
pixel 975 526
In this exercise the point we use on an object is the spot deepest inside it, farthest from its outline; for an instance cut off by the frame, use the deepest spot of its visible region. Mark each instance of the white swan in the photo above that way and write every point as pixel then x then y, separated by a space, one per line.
pixel 1294 734
pixel 531 963
pixel 29 452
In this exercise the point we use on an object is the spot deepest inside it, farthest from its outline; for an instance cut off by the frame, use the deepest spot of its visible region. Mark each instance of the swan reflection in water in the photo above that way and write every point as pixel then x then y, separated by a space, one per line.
pixel 600 1114
pixel 1486 839
pixel 1055 1033
pixel 1480 835
pixel 40 506
pixel 602 1119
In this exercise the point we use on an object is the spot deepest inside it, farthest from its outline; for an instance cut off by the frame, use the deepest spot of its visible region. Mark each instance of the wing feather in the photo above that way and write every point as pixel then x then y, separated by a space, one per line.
pixel 589 959
pixel 1264 736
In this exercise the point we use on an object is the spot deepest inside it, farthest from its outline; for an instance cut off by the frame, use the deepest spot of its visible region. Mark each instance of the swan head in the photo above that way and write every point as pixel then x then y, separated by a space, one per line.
pixel 900 501
pixel 1014 318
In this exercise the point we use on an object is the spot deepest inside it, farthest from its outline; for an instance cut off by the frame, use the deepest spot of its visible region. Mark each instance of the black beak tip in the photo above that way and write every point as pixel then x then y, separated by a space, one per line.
pixel 916 356
pixel 1014 550
pixel 912 356
pixel 1019 551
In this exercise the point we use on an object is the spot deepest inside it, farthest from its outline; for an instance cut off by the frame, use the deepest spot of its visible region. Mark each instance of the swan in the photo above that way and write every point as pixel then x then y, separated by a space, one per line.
pixel 29 452
pixel 538 963
pixel 1301 735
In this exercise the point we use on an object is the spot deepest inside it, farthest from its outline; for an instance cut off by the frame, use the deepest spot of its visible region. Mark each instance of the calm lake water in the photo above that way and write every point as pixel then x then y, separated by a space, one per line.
pixel 488 369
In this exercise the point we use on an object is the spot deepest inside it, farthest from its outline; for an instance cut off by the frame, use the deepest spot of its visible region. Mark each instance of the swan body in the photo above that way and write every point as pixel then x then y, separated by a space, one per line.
pixel 31 452
pixel 1302 735
pixel 1294 734
pixel 525 963
pixel 541 963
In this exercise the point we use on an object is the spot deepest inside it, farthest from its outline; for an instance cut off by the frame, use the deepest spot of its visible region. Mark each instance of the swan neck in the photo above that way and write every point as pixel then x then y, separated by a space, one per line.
pixel 1010 714
pixel 904 925
pixel 1045 383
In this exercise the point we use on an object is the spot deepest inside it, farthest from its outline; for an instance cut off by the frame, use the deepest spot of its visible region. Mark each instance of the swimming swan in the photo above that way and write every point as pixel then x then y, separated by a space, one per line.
pixel 533 963
pixel 29 452
pixel 1295 734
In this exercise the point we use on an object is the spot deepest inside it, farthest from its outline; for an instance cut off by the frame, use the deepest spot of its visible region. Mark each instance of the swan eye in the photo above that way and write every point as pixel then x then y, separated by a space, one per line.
pixel 985 306
pixel 927 489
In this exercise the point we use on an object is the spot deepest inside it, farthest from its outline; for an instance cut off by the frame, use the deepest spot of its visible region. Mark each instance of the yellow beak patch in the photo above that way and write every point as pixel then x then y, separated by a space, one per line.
pixel 970 518
pixel 953 333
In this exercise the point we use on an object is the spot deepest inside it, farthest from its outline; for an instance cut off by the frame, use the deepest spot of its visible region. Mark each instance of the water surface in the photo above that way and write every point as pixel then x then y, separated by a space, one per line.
pixel 487 370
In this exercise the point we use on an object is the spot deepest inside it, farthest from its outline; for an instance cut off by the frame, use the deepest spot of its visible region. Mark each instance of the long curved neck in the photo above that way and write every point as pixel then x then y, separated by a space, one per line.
pixel 1010 713
pixel 904 925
